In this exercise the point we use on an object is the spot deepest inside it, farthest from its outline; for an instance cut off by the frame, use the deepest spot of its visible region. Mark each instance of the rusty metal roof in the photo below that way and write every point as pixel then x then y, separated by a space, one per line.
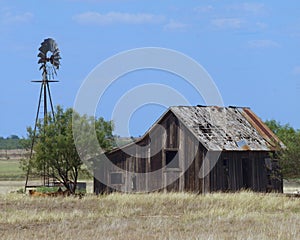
pixel 227 128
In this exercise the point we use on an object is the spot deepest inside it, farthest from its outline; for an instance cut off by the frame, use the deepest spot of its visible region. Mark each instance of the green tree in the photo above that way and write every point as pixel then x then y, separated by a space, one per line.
pixel 11 142
pixel 55 152
pixel 289 157
pixel 13 137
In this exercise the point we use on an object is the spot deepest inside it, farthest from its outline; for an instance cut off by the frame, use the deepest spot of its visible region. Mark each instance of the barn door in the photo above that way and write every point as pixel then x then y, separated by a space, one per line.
pixel 246 173
pixel 225 175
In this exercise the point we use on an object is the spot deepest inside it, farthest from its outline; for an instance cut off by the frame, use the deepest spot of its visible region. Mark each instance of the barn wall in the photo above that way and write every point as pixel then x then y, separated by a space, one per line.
pixel 242 170
pixel 190 153
pixel 234 170
pixel 171 174
pixel 153 159
pixel 146 159
pixel 192 156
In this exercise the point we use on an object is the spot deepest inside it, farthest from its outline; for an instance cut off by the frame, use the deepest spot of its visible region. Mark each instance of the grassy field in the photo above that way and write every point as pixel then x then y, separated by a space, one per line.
pixel 243 215
pixel 10 170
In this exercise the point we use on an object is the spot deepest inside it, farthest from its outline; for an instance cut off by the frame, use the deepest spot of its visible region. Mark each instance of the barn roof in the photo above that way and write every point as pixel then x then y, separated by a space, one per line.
pixel 227 128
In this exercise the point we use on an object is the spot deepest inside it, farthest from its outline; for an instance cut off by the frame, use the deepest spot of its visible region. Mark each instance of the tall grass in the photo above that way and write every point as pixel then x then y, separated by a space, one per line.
pixel 243 215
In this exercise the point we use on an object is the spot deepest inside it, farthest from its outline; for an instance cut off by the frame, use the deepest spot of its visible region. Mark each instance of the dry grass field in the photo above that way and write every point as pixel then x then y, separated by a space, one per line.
pixel 243 215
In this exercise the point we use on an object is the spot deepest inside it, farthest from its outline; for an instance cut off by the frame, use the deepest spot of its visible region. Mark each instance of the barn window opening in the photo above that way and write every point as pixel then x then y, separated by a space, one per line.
pixel 116 178
pixel 172 159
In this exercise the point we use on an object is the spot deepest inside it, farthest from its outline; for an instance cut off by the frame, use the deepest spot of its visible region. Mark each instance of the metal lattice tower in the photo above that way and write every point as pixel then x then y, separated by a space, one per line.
pixel 49 66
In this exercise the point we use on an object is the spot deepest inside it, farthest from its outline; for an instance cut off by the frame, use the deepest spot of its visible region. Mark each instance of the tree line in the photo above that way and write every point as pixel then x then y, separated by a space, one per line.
pixel 11 142
pixel 290 156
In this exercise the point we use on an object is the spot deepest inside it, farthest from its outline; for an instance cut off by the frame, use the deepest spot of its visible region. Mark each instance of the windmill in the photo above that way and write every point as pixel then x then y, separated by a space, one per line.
pixel 49 58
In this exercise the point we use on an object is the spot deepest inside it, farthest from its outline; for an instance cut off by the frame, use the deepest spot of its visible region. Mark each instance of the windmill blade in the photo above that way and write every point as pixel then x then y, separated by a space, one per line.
pixel 42 61
pixel 56 58
pixel 56 51
pixel 52 44
pixel 41 55
pixel 49 45
pixel 56 55
pixel 44 48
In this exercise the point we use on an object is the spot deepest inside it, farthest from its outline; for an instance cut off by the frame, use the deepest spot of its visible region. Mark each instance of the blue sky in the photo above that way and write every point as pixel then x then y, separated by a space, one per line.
pixel 251 50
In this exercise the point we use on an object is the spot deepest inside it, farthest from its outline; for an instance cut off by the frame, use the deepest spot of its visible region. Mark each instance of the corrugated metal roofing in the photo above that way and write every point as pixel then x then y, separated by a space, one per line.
pixel 227 128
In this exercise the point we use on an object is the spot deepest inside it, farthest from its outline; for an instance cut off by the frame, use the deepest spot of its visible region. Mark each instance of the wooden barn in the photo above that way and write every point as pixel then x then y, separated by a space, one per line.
pixel 197 149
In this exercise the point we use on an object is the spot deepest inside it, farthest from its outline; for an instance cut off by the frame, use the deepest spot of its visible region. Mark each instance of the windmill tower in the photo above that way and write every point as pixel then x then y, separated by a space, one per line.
pixel 49 58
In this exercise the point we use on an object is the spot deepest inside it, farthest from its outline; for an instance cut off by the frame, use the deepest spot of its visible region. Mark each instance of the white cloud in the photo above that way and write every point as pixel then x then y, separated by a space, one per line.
pixel 296 70
pixel 227 23
pixel 117 17
pixel 204 9
pixel 10 18
pixel 252 8
pixel 174 25
pixel 263 44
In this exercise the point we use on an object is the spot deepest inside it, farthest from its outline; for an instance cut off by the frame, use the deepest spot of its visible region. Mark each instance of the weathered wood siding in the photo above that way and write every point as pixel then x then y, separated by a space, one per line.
pixel 234 170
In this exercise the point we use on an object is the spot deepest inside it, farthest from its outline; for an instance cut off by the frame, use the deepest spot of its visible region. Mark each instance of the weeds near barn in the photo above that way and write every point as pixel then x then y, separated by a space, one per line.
pixel 243 215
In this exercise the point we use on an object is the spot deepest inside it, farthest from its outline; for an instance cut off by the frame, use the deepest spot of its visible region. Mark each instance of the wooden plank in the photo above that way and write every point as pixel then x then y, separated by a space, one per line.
pixel 197 169
pixel 182 159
